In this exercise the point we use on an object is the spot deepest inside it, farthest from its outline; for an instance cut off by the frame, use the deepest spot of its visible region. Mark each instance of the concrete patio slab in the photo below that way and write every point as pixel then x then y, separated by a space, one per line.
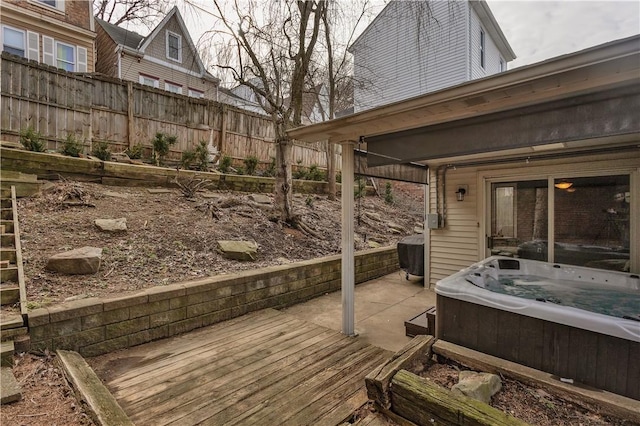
pixel 381 307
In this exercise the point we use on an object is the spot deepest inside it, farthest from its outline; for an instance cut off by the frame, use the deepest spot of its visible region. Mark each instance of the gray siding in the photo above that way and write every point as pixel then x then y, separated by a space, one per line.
pixel 157 47
pixel 492 55
pixel 405 53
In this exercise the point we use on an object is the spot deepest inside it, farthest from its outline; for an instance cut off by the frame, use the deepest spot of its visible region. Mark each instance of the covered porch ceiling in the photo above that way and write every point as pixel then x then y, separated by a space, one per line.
pixel 585 101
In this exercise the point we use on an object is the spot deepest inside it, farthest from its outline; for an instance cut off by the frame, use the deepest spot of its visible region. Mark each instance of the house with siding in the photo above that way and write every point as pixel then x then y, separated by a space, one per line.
pixel 60 33
pixel 166 58
pixel 413 48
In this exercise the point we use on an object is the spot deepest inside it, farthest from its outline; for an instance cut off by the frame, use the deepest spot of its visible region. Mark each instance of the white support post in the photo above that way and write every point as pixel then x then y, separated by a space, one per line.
pixel 348 260
pixel 427 237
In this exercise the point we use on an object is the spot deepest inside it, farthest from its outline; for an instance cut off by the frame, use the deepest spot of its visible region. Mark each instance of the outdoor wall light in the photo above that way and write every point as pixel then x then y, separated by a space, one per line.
pixel 460 193
pixel 563 184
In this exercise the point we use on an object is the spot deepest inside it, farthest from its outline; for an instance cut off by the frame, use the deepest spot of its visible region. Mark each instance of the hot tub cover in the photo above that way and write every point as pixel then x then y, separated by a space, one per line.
pixel 411 254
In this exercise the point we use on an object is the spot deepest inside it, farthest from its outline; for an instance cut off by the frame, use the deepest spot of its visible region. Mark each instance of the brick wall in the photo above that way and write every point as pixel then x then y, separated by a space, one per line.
pixel 76 12
pixel 97 326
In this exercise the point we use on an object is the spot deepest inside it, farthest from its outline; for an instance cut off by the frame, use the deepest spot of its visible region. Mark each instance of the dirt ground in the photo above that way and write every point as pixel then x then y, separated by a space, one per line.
pixel 171 238
pixel 531 405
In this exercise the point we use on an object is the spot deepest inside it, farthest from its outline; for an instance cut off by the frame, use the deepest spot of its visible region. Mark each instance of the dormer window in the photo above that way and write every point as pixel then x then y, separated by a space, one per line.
pixel 174 46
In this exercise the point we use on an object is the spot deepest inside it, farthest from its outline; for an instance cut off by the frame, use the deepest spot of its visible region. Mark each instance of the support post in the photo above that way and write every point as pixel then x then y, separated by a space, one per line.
pixel 131 126
pixel 427 235
pixel 348 260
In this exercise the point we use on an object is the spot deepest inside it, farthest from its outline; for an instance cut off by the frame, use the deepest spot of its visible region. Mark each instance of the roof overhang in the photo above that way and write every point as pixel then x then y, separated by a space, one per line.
pixel 601 76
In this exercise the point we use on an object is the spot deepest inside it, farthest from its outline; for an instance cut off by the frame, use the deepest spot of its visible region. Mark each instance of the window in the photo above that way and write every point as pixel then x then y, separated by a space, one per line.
pixel 173 88
pixel 174 46
pixel 590 219
pixel 196 93
pixel 482 48
pixel 65 56
pixel 13 41
pixel 149 81
pixel 57 4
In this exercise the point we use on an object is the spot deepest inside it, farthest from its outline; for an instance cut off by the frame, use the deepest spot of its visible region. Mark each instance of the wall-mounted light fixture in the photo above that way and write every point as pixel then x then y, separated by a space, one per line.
pixel 563 184
pixel 461 192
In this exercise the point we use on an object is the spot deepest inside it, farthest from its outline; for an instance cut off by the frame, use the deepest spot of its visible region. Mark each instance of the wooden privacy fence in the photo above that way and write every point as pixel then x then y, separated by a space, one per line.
pixel 95 108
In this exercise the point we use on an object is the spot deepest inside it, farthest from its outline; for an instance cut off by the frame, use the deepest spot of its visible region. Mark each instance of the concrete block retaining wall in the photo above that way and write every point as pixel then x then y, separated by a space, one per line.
pixel 96 326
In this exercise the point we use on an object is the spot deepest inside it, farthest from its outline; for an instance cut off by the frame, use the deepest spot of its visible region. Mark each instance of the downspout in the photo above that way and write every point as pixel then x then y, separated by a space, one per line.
pixel 119 53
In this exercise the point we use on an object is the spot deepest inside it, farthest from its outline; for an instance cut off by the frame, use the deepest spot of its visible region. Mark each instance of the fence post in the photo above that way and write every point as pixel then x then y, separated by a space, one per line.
pixel 130 123
pixel 223 130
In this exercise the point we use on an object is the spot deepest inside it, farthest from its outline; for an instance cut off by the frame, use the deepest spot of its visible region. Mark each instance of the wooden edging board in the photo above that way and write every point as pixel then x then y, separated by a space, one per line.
pixel 379 380
pixel 100 403
pixel 603 401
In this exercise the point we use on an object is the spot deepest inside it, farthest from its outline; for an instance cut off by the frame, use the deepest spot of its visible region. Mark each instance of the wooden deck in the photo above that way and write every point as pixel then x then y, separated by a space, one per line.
pixel 263 368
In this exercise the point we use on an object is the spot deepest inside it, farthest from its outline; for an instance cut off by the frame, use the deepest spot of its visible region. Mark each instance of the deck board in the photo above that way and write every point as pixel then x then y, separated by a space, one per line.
pixel 263 368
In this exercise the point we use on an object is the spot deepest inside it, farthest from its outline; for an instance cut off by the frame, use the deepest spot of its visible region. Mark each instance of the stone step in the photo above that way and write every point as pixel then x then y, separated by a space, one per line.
pixel 9 294
pixel 10 320
pixel 9 274
pixel 10 390
pixel 8 254
pixel 6 353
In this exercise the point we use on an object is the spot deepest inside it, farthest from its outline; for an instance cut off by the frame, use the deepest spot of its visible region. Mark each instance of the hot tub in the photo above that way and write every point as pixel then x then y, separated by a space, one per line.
pixel 574 322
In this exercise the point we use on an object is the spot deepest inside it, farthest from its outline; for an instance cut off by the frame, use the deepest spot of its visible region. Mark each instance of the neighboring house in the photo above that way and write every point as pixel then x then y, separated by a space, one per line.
pixel 166 59
pixel 412 48
pixel 315 102
pixel 56 32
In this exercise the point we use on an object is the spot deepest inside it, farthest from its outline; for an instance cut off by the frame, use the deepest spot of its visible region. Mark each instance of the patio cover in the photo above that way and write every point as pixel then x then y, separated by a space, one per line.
pixel 589 100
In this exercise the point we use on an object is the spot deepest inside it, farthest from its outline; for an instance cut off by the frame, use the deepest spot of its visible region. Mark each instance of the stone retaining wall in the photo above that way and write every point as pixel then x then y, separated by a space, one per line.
pixel 96 326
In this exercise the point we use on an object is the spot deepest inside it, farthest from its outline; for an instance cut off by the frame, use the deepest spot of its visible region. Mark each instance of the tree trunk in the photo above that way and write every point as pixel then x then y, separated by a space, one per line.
pixel 283 200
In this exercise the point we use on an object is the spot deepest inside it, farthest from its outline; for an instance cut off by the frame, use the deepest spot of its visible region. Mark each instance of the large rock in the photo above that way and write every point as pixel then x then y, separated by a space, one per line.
pixel 260 199
pixel 238 250
pixel 479 386
pixel 112 225
pixel 85 260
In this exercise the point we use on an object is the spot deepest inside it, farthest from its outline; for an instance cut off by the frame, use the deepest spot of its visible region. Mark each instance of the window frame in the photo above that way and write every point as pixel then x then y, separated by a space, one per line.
pixel 58 5
pixel 142 77
pixel 178 37
pixel 57 59
pixel 170 86
pixel 195 93
pixel 24 40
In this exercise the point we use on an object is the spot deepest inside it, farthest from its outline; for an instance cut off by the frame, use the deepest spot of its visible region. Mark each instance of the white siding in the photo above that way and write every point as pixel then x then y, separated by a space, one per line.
pixel 492 55
pixel 455 246
pixel 404 53
pixel 462 241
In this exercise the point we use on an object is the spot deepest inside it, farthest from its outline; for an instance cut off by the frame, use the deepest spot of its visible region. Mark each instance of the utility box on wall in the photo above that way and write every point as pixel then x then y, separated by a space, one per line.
pixel 433 221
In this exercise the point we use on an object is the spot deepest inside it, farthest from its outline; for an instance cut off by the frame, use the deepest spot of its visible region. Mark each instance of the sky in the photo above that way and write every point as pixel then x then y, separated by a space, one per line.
pixel 539 30
pixel 536 30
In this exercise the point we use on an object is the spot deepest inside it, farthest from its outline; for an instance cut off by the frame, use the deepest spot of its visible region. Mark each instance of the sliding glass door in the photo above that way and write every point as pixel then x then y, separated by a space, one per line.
pixel 587 217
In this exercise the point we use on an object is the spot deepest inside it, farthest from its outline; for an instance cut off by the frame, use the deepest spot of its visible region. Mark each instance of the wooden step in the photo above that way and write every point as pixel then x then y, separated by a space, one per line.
pixel 9 275
pixel 8 254
pixel 10 390
pixel 7 240
pixel 13 333
pixel 6 353
pixel 5 192
pixel 9 294
pixel 6 203
pixel 6 214
pixel 9 320
pixel 8 226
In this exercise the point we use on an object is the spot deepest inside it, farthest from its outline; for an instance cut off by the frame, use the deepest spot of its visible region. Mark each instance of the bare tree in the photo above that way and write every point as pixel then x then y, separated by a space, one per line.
pixel 275 43
pixel 116 12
